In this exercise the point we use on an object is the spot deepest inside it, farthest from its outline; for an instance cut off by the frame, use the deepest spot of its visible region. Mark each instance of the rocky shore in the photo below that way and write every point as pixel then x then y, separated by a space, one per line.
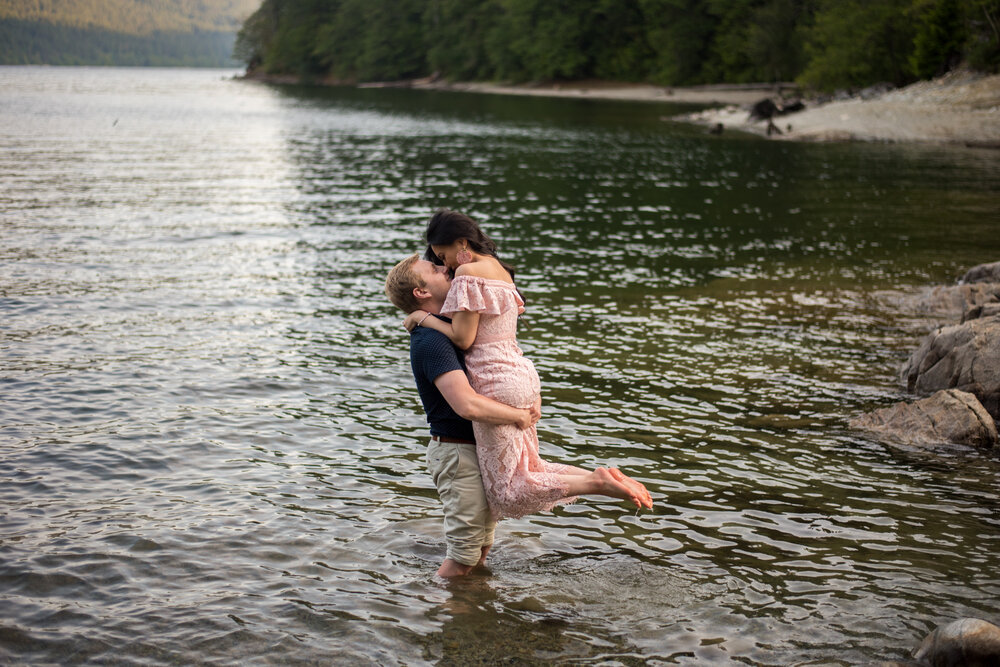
pixel 958 108
pixel 954 372
pixel 954 379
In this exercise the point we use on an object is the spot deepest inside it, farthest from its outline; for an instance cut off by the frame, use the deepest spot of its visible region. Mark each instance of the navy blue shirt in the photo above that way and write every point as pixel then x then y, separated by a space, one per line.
pixel 432 355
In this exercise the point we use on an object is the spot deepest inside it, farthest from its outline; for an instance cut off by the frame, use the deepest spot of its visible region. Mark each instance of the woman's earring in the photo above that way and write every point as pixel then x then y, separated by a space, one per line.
pixel 463 256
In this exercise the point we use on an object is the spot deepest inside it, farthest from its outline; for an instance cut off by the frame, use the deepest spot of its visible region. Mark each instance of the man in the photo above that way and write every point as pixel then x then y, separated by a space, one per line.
pixel 451 405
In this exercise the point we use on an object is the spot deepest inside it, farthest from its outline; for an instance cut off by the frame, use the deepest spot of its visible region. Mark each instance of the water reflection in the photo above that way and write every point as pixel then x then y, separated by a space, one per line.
pixel 214 447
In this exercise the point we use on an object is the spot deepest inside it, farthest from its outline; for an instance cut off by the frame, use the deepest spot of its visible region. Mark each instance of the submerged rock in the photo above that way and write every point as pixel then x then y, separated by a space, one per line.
pixel 971 642
pixel 964 356
pixel 949 416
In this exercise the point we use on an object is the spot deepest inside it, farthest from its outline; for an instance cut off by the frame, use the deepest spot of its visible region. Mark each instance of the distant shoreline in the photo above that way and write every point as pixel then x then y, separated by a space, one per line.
pixel 715 94
pixel 959 108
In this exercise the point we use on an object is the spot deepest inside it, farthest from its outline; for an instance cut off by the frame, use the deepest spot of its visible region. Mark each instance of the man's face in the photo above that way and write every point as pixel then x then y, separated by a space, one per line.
pixel 436 279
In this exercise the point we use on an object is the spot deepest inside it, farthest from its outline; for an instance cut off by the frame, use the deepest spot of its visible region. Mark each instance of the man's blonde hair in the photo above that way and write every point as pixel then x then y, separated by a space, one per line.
pixel 401 282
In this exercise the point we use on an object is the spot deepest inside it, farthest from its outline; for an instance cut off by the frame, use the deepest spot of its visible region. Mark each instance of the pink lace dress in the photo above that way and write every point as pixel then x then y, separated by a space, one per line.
pixel 516 479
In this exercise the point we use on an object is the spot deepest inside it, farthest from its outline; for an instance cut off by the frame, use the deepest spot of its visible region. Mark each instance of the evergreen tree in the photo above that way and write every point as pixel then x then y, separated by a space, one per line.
pixel 854 43
pixel 679 34
pixel 821 43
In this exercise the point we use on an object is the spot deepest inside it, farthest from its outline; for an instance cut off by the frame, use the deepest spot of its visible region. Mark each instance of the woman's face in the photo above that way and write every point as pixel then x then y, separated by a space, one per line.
pixel 448 253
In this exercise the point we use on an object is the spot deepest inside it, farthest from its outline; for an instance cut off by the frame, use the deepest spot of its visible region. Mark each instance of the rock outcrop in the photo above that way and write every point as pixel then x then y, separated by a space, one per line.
pixel 964 356
pixel 954 301
pixel 958 364
pixel 949 416
pixel 984 273
pixel 984 310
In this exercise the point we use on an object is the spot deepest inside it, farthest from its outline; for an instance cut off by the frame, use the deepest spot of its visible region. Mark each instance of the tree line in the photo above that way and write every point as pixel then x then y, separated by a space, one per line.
pixel 822 44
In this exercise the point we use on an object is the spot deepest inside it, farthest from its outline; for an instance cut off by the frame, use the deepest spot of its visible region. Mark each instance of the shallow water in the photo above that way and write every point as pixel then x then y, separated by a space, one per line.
pixel 212 451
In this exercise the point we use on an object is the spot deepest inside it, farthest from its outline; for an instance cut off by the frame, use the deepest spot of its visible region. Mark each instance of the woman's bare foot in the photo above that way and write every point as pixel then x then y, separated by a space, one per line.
pixel 637 487
pixel 609 485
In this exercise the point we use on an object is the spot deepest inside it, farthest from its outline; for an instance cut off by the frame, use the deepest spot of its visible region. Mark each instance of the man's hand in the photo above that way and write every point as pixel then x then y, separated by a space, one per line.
pixel 413 319
pixel 454 387
pixel 536 410
pixel 532 415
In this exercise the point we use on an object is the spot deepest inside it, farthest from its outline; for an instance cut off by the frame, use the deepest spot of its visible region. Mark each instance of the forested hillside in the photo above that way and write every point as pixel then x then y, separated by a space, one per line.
pixel 121 32
pixel 825 44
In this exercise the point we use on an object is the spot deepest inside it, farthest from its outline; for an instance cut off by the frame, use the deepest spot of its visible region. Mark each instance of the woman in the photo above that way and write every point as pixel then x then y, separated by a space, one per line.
pixel 484 305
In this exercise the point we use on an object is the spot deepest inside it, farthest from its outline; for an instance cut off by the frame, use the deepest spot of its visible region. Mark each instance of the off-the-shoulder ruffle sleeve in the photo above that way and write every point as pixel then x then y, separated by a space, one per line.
pixel 481 295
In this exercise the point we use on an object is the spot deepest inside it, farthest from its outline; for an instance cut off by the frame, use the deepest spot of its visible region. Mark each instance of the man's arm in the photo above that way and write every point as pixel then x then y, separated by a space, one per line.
pixel 454 386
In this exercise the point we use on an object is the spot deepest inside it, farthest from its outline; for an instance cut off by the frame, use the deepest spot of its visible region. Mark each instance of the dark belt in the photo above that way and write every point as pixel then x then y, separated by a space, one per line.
pixel 458 441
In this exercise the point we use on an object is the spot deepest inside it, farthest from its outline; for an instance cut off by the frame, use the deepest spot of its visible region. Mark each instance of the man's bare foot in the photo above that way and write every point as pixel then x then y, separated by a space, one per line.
pixel 609 485
pixel 452 568
pixel 637 487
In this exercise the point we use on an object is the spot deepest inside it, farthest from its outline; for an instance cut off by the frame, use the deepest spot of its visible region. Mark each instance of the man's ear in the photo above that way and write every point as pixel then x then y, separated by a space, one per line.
pixel 421 292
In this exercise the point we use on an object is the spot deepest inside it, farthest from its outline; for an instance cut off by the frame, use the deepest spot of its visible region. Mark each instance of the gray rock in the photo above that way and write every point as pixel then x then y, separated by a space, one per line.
pixel 949 416
pixel 953 301
pixel 971 642
pixel 984 273
pixel 964 356
pixel 982 310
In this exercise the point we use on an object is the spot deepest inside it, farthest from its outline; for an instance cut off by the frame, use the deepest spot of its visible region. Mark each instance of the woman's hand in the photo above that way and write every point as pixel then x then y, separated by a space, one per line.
pixel 413 319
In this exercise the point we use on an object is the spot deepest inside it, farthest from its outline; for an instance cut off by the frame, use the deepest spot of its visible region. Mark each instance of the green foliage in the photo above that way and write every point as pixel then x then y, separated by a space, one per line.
pixel 393 46
pixel 982 48
pixel 256 35
pixel 854 43
pixel 339 41
pixel 679 33
pixel 940 34
pixel 363 40
pixel 822 43
pixel 544 39
pixel 775 43
pixel 977 22
pixel 617 39
pixel 453 31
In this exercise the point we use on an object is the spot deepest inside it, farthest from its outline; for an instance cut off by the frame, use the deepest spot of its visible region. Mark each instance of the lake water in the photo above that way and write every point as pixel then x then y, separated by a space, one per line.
pixel 211 450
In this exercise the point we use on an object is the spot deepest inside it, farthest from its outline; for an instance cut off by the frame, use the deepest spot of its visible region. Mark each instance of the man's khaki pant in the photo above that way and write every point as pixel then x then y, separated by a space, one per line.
pixel 468 525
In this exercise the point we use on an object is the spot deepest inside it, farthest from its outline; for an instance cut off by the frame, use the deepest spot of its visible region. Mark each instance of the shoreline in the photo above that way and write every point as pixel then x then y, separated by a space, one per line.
pixel 959 108
pixel 714 94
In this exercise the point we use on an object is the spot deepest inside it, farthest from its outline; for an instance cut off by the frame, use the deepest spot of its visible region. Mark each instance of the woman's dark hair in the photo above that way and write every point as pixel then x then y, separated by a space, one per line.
pixel 446 227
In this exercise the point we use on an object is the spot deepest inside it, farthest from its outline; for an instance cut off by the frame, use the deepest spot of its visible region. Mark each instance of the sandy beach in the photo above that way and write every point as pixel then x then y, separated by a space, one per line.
pixel 958 108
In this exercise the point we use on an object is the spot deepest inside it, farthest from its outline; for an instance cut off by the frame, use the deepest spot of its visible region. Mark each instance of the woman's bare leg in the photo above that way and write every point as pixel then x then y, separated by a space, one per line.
pixel 638 488
pixel 602 482
pixel 566 469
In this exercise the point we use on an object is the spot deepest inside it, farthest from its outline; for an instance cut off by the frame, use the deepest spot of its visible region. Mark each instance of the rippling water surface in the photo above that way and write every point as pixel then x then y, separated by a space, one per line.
pixel 212 451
